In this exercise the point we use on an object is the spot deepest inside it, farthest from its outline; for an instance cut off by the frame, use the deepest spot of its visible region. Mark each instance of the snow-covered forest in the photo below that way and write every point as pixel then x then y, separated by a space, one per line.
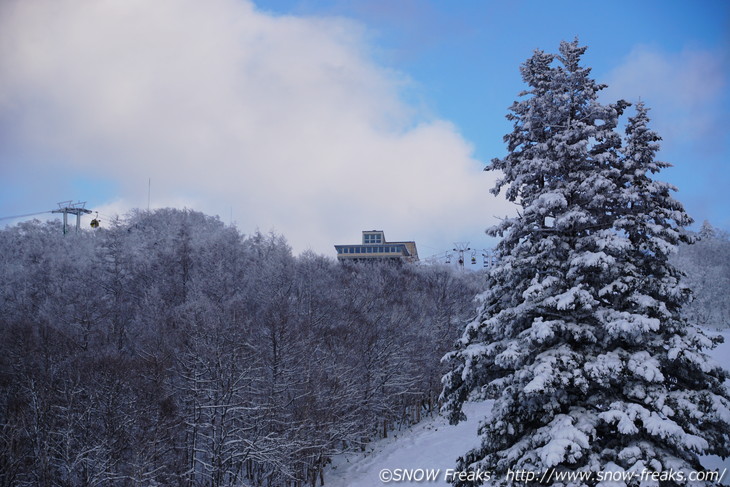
pixel 706 265
pixel 169 349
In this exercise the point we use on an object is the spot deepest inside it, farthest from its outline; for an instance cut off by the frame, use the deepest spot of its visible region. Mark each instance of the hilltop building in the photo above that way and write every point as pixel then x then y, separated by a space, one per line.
pixel 374 247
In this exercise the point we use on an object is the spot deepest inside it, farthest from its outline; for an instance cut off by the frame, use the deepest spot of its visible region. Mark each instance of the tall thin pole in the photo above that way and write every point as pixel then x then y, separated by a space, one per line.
pixel 149 192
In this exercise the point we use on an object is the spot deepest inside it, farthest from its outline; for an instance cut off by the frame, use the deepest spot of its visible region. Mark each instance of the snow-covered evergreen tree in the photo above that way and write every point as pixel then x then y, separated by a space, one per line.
pixel 579 337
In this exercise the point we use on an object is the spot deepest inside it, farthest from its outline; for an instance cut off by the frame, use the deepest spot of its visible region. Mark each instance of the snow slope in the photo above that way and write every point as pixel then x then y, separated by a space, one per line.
pixel 722 355
pixel 434 445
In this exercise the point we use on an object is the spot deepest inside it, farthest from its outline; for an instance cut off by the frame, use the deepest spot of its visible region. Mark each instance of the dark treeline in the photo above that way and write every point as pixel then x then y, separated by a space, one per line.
pixel 168 349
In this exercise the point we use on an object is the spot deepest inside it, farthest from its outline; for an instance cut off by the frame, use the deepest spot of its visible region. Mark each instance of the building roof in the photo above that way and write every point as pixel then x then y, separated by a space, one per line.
pixel 375 247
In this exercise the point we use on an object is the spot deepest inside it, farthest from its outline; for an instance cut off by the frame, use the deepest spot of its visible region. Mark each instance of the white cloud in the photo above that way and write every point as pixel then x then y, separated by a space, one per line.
pixel 286 120
pixel 681 88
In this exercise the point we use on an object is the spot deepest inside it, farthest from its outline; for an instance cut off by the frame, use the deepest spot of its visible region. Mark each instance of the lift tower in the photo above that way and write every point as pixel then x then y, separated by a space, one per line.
pixel 461 247
pixel 77 209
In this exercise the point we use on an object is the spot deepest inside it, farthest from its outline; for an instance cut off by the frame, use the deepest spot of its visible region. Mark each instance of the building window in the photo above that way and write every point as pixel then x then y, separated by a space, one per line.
pixel 372 238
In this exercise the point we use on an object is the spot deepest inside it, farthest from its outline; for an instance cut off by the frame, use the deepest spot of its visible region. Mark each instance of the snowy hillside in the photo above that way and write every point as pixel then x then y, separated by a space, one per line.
pixel 722 355
pixel 135 317
pixel 431 448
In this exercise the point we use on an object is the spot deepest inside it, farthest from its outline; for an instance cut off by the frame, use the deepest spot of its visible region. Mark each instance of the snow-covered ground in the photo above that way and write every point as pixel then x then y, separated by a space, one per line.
pixel 431 448
pixel 722 355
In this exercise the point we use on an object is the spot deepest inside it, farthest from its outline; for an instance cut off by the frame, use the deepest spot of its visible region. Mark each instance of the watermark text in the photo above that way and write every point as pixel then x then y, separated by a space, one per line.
pixel 425 475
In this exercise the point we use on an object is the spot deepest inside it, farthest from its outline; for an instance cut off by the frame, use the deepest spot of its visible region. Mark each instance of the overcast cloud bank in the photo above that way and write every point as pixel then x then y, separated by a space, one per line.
pixel 286 121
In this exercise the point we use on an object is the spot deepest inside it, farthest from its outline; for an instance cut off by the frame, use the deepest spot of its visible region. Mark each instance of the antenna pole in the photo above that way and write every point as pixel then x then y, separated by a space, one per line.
pixel 149 192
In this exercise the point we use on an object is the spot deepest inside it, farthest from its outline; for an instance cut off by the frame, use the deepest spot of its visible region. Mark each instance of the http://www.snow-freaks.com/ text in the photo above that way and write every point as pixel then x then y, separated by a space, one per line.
pixel 399 475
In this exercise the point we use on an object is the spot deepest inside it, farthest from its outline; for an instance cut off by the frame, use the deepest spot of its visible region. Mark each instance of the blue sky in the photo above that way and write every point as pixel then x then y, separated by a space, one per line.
pixel 318 119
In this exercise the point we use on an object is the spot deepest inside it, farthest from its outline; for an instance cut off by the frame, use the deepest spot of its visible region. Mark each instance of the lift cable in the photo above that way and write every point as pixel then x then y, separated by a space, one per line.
pixel 21 216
